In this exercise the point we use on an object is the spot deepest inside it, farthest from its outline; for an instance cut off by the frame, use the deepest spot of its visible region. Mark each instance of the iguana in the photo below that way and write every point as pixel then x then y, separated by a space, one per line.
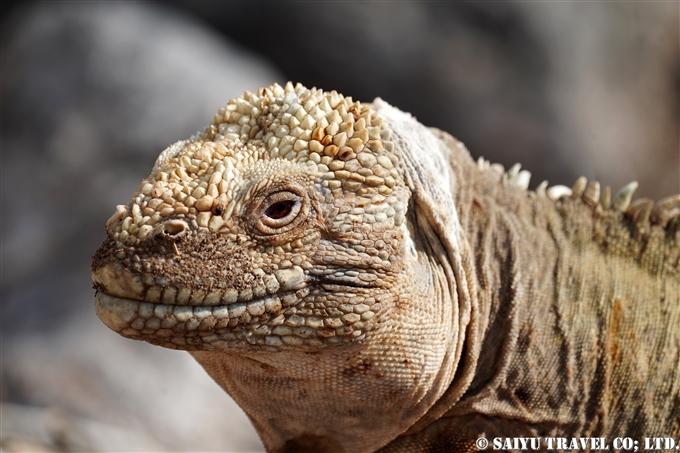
pixel 357 283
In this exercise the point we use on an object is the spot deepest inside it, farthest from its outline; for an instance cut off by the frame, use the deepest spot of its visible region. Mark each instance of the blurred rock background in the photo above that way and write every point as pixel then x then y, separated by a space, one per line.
pixel 91 92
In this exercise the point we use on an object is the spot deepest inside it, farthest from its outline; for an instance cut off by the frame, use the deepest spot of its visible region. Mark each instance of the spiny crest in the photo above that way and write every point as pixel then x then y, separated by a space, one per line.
pixel 644 211
pixel 201 180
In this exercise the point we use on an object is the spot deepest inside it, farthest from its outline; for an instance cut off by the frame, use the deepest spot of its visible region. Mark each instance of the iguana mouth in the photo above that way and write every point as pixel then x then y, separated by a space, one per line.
pixel 289 310
pixel 259 321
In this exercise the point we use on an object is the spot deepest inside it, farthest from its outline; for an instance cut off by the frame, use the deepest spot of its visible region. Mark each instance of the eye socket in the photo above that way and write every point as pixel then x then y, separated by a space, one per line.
pixel 279 212
pixel 279 209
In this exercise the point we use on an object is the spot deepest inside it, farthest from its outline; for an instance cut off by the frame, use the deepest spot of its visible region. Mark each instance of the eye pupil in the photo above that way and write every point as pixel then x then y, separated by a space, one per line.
pixel 279 209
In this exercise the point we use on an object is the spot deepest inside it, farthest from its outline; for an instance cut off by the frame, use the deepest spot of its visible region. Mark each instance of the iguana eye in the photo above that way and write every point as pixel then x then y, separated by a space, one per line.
pixel 279 212
pixel 279 209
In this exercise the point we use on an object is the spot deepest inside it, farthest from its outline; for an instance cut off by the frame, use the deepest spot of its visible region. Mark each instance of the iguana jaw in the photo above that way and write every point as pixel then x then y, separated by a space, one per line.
pixel 376 393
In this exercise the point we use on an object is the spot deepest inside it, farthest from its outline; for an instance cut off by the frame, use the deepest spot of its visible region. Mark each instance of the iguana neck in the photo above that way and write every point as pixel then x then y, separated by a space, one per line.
pixel 515 239
pixel 501 224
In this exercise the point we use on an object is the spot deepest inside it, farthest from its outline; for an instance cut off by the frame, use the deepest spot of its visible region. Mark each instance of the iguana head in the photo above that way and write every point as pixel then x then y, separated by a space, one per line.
pixel 296 224
pixel 282 226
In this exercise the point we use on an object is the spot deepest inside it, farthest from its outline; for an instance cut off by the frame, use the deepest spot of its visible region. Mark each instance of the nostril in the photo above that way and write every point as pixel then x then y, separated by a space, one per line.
pixel 175 227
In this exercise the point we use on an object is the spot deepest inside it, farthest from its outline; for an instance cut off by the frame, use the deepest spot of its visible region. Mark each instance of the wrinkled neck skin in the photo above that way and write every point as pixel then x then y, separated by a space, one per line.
pixel 552 289
pixel 352 398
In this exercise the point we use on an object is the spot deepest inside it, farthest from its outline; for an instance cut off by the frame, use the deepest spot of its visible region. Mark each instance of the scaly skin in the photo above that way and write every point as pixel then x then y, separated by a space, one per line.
pixel 356 282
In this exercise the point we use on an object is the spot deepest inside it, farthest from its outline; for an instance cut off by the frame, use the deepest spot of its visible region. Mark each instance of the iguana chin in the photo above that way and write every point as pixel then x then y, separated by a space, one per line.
pixel 356 282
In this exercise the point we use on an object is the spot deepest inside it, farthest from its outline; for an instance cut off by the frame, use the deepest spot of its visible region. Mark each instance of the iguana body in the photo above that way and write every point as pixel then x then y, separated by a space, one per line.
pixel 356 282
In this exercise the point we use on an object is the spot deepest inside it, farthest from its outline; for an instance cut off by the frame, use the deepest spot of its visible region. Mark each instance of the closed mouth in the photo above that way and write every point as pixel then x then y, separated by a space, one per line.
pixel 269 323
pixel 187 325
pixel 190 319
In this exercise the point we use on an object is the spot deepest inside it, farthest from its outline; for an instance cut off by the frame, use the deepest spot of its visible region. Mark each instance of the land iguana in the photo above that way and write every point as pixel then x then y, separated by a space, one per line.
pixel 357 283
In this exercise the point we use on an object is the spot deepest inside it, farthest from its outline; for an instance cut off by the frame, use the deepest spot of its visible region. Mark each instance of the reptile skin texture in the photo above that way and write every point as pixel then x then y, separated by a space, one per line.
pixel 357 283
